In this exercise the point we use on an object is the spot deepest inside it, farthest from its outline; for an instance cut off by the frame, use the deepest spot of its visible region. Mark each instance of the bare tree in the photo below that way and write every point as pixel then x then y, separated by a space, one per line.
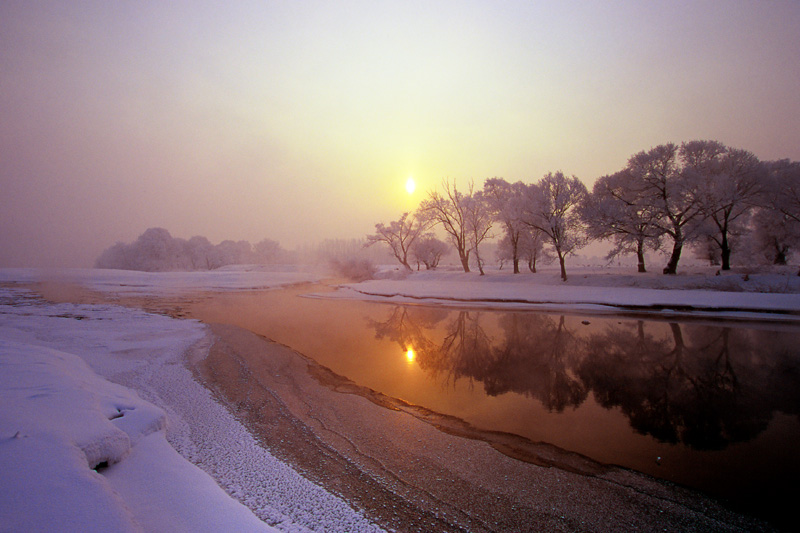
pixel 399 235
pixel 479 223
pixel 552 208
pixel 728 184
pixel 450 210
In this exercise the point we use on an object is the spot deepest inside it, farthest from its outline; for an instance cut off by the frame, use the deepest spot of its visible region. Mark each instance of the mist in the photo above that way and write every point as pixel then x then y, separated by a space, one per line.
pixel 302 122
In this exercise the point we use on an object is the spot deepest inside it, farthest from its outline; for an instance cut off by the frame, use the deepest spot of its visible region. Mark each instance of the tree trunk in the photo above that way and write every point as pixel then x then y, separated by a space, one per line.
pixel 563 268
pixel 640 255
pixel 780 254
pixel 464 256
pixel 480 262
pixel 516 265
pixel 532 264
pixel 672 266
pixel 726 252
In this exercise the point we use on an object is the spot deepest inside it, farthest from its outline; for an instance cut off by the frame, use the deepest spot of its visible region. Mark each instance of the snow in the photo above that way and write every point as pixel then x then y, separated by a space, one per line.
pixel 749 296
pixel 252 277
pixel 103 428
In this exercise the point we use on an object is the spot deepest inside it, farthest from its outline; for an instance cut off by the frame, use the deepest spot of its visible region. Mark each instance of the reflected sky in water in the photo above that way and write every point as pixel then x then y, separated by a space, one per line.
pixel 699 385
pixel 712 406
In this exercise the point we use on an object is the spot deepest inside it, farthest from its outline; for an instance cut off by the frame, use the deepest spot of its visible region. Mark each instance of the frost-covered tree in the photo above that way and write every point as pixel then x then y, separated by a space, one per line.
pixel 728 185
pixel 479 221
pixel 782 192
pixel 670 192
pixel 507 203
pixel 428 250
pixel 267 251
pixel 774 236
pixel 552 208
pixel 618 209
pixel 115 257
pixel 777 221
pixel 450 210
pixel 532 248
pixel 202 253
pixel 399 235
pixel 234 253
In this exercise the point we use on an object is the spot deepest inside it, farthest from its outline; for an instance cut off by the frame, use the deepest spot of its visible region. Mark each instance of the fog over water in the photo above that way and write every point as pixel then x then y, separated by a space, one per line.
pixel 303 121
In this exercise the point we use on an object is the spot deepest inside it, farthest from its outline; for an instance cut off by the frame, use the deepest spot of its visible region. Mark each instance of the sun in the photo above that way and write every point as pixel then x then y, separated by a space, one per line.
pixel 410 185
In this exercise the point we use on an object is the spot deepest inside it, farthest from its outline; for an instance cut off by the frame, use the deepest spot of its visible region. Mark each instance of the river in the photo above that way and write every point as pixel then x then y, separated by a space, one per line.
pixel 709 405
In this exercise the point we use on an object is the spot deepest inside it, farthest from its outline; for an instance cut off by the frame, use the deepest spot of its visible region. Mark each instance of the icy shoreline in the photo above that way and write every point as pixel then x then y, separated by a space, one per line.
pixel 98 405
pixel 593 291
pixel 128 451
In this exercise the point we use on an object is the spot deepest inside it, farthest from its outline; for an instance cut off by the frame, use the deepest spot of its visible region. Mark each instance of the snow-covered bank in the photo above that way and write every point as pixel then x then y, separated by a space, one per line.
pixel 79 452
pixel 128 282
pixel 771 296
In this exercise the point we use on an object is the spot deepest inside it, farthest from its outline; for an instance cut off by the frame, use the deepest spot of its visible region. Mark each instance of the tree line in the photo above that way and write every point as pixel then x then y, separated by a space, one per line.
pixel 716 199
pixel 157 251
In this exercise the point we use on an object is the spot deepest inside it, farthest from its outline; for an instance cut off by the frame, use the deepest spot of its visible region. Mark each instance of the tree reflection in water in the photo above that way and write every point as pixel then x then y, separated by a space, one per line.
pixel 703 386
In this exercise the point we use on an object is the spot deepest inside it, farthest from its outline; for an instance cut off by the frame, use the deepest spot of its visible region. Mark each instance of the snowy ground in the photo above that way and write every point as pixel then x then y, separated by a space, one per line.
pixel 127 282
pixel 102 426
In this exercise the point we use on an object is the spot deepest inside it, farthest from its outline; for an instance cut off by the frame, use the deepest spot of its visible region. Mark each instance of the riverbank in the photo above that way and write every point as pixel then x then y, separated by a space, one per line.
pixel 405 467
pixel 414 470
pixel 104 428
pixel 699 292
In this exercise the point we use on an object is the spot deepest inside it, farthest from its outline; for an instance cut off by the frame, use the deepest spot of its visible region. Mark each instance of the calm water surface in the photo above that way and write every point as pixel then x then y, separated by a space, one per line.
pixel 713 407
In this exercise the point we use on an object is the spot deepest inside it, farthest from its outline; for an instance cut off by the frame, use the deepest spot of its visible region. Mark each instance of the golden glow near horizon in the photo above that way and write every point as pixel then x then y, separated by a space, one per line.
pixel 411 185
pixel 303 121
pixel 410 355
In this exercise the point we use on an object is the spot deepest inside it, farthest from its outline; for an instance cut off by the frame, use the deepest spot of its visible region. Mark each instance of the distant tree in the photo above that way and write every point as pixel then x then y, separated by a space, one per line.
pixel 618 209
pixel 552 208
pixel 728 186
pixel 450 210
pixel 782 192
pixel 774 235
pixel 399 235
pixel 115 257
pixel 268 251
pixel 154 251
pixel 531 248
pixel 706 248
pixel 777 221
pixel 479 221
pixel 234 253
pixel 428 250
pixel 670 192
pixel 202 254
pixel 507 204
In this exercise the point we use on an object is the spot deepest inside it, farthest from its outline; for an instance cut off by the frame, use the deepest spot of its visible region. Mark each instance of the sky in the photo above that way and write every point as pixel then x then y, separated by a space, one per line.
pixel 302 121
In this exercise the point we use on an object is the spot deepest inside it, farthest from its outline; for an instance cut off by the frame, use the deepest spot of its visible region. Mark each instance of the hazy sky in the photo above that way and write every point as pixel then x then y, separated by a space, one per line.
pixel 300 121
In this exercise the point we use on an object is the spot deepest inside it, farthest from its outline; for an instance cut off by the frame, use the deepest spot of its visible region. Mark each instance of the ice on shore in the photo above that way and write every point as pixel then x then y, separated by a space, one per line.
pixel 80 453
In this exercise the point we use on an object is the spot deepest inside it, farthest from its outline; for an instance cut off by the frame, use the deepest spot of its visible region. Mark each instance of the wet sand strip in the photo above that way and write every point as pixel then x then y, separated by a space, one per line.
pixel 410 469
